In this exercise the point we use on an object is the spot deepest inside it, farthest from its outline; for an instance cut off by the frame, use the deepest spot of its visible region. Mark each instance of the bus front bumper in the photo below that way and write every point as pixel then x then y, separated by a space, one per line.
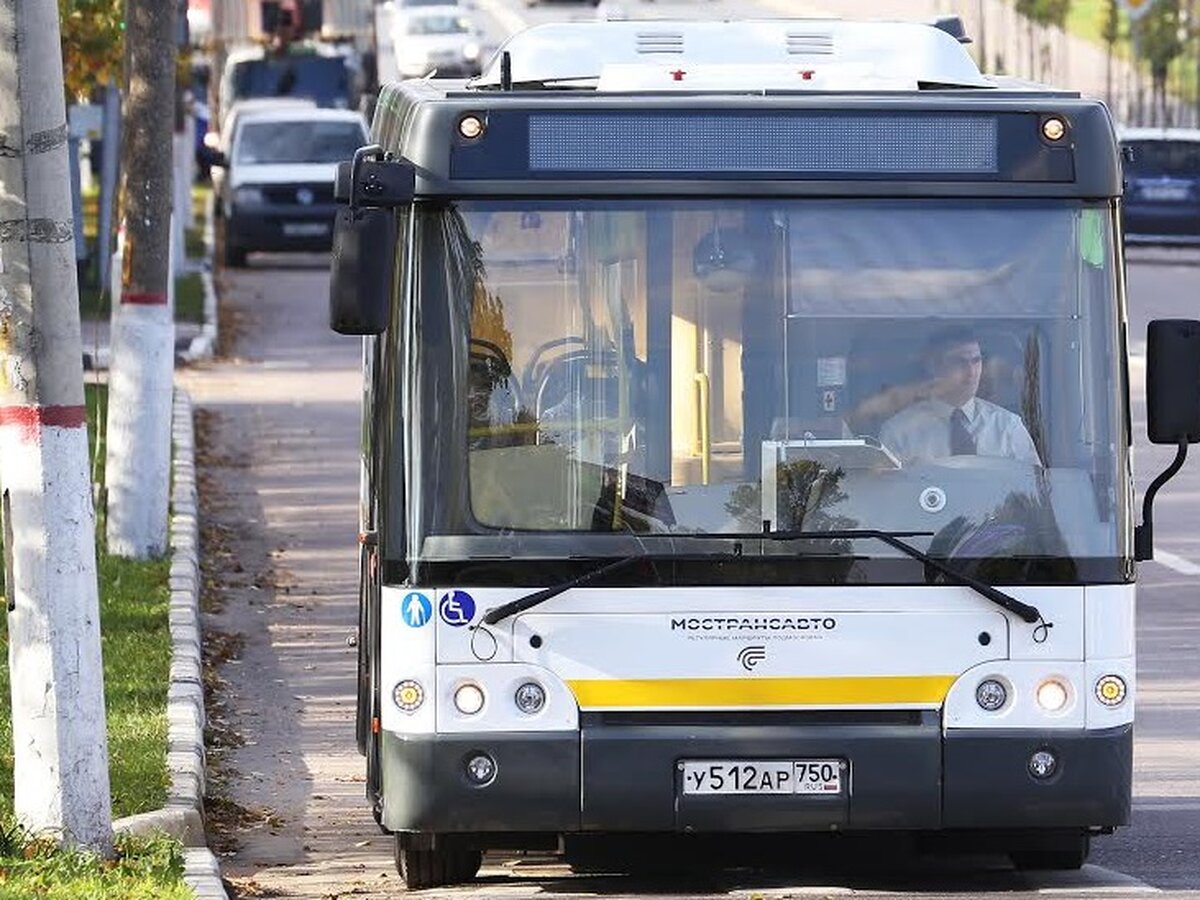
pixel 625 778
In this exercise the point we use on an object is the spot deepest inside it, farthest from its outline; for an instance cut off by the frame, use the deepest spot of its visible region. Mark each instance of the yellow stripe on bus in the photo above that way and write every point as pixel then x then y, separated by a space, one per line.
pixel 924 690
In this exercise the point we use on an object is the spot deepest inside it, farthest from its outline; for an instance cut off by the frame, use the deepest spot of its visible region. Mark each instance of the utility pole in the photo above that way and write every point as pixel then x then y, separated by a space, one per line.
pixel 143 340
pixel 60 748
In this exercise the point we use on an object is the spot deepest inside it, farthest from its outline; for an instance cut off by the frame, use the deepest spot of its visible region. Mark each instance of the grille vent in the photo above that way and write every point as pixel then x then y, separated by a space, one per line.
pixel 809 43
pixel 659 42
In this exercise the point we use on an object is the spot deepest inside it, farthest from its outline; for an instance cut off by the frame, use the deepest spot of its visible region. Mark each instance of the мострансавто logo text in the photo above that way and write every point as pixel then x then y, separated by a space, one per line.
pixel 754 623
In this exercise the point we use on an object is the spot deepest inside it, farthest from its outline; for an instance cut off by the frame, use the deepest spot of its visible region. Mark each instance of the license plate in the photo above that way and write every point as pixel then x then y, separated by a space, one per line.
pixel 304 229
pixel 1164 192
pixel 762 776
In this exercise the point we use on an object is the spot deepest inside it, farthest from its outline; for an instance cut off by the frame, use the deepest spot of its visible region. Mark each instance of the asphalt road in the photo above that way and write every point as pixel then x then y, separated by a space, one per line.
pixel 279 473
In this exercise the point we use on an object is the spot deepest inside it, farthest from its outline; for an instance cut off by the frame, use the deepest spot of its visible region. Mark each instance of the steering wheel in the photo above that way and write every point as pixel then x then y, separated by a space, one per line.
pixel 535 368
pixel 607 358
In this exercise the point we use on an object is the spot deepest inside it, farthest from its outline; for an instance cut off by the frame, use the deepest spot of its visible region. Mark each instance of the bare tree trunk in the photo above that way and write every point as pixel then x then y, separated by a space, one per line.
pixel 143 351
pixel 60 746
pixel 1032 50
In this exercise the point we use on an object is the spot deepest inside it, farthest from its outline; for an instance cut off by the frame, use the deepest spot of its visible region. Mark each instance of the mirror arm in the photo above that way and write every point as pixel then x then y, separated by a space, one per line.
pixel 1143 535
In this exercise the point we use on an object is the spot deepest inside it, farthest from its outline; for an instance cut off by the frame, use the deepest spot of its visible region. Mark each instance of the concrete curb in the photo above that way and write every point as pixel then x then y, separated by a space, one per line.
pixel 203 344
pixel 182 817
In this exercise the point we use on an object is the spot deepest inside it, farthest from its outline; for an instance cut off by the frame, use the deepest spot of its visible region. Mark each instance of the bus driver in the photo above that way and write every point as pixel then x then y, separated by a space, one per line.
pixel 947 418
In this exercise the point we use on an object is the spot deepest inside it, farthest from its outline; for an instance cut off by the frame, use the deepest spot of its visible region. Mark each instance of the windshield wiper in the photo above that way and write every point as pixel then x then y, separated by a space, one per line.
pixel 1024 611
pixel 539 597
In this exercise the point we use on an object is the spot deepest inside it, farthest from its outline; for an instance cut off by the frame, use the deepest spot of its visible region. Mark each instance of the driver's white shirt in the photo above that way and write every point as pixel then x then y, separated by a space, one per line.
pixel 922 431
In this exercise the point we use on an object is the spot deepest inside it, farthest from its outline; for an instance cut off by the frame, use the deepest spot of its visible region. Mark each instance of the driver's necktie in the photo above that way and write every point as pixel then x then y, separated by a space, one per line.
pixel 962 443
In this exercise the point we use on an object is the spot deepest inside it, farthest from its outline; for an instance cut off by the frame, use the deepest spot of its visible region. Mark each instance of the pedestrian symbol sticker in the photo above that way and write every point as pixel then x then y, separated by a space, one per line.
pixel 457 608
pixel 416 610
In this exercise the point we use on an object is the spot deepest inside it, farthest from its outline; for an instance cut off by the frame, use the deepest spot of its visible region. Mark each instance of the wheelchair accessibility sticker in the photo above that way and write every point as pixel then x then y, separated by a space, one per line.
pixel 416 610
pixel 457 608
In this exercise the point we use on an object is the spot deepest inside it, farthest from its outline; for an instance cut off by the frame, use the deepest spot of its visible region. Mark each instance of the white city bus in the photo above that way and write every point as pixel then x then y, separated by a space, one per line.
pixel 653 542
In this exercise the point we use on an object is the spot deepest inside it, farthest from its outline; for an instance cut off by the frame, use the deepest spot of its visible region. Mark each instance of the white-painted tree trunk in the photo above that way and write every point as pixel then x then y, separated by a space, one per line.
pixel 60 748
pixel 138 465
pixel 60 751
pixel 143 338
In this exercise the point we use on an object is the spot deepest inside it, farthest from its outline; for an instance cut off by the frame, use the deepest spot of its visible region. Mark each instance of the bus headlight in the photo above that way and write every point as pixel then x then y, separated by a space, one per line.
pixel 991 694
pixel 408 696
pixel 1111 690
pixel 1052 695
pixel 530 698
pixel 468 699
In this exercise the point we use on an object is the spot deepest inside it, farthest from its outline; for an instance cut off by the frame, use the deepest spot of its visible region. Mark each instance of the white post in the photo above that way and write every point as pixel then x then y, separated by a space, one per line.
pixel 60 748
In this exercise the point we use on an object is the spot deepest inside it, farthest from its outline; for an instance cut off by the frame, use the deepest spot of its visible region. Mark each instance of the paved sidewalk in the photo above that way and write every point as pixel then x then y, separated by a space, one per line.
pixel 97 350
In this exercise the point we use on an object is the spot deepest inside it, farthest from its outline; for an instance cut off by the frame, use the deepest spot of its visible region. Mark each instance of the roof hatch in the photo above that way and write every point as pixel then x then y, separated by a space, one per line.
pixel 783 54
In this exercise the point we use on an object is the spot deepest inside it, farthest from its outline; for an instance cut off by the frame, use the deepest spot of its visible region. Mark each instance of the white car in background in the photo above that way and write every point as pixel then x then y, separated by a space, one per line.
pixel 277 190
pixel 444 40
pixel 217 141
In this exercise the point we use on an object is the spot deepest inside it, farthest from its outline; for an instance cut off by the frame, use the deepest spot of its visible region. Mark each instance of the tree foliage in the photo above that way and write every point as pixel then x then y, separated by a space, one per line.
pixel 93 44
pixel 1044 12
pixel 1160 38
pixel 1111 29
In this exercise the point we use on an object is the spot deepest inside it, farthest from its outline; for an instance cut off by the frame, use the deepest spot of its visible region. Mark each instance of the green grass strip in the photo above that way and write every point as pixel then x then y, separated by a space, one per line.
pixel 141 869
pixel 189 298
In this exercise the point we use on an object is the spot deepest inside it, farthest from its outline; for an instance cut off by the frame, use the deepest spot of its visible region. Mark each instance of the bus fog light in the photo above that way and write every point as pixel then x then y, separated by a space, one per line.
pixel 1111 690
pixel 991 694
pixel 468 699
pixel 1052 695
pixel 530 698
pixel 1043 764
pixel 408 696
pixel 481 769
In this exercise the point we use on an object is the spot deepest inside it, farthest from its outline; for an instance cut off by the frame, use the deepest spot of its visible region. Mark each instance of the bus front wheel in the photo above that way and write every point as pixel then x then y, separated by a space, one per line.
pixel 426 868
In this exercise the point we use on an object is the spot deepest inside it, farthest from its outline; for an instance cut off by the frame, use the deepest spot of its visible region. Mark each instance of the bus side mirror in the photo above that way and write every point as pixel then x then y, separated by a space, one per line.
pixel 364 239
pixel 1173 381
pixel 360 286
pixel 1172 407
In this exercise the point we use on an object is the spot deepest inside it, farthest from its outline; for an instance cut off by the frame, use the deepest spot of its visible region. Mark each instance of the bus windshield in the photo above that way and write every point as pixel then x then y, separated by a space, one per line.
pixel 675 369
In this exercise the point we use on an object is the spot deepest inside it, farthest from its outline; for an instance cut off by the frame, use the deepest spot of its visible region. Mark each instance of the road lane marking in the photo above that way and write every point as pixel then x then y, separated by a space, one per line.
pixel 1180 805
pixel 1090 881
pixel 1176 563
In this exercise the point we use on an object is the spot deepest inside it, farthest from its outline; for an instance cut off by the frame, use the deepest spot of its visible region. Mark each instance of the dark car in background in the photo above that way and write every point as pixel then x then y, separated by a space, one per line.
pixel 328 75
pixel 1162 185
